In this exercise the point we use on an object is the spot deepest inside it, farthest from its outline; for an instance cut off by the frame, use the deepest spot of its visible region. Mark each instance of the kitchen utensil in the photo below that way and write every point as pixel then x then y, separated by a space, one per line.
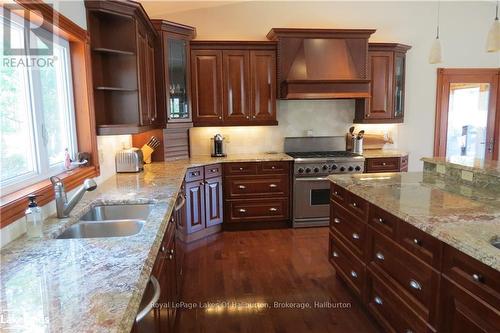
pixel 218 146
pixel 149 148
pixel 129 160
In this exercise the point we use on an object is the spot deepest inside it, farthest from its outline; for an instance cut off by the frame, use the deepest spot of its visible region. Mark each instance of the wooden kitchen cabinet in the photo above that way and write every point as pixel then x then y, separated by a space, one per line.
pixel 204 210
pixel 256 194
pixel 122 41
pixel 386 63
pixel 409 280
pixel 233 83
pixel 386 164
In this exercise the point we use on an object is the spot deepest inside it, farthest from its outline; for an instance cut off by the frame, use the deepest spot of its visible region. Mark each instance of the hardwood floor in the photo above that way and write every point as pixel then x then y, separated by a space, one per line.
pixel 250 270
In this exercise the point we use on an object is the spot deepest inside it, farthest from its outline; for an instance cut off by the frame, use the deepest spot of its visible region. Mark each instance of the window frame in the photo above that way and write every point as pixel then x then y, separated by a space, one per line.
pixel 12 205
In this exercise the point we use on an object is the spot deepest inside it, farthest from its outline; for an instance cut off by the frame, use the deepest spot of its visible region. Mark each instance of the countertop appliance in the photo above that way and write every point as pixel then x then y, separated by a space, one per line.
pixel 129 160
pixel 314 159
pixel 218 146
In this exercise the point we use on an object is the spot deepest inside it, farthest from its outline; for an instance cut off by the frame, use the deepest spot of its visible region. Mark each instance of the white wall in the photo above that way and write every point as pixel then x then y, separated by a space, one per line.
pixel 464 26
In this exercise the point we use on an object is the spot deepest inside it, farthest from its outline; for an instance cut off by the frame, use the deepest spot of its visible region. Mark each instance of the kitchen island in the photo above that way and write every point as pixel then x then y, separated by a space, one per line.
pixel 418 249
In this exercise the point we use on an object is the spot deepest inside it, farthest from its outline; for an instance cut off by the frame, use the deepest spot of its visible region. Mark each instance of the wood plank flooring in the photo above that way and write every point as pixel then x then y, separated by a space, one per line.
pixel 251 270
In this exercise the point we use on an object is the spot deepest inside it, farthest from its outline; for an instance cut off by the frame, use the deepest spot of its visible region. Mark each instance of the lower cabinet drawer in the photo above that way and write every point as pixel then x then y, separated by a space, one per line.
pixel 348 267
pixel 413 280
pixel 392 313
pixel 257 210
pixel 258 186
pixel 385 164
pixel 350 227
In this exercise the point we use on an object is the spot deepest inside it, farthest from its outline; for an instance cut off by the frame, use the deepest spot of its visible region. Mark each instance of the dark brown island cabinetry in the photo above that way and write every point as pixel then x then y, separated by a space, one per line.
pixel 204 206
pixel 123 70
pixel 409 280
pixel 256 194
pixel 233 83
pixel 386 63
pixel 386 164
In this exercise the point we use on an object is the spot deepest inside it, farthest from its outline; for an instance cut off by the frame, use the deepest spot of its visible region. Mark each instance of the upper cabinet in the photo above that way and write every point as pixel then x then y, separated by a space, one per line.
pixel 173 71
pixel 123 45
pixel 386 63
pixel 233 83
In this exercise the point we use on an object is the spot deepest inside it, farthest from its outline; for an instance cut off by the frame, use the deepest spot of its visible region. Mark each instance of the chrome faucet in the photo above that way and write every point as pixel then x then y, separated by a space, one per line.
pixel 63 206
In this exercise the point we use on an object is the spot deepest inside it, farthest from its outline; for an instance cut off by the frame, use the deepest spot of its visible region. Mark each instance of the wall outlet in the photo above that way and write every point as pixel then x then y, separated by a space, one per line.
pixel 440 169
pixel 467 175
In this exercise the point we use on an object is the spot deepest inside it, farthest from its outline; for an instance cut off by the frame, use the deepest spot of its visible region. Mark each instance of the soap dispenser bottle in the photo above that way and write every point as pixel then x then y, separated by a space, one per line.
pixel 34 218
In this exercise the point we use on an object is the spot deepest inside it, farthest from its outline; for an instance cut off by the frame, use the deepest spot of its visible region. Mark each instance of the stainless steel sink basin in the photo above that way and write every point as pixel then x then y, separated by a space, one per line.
pixel 95 229
pixel 495 241
pixel 117 212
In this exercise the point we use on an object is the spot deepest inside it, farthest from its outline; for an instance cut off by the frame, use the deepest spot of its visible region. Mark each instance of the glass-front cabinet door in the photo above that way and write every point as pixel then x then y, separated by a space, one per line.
pixel 399 85
pixel 178 108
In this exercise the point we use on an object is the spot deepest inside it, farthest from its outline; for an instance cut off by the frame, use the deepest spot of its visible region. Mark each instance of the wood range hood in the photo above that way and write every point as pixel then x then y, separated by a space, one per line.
pixel 322 63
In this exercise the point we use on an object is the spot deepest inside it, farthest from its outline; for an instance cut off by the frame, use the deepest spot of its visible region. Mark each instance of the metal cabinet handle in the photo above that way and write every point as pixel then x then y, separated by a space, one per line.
pixel 380 256
pixel 335 254
pixel 415 285
pixel 196 173
pixel 241 169
pixel 163 249
pixel 384 164
pixel 355 236
pixel 171 251
pixel 180 204
pixel 273 167
pixel 335 192
pixel 248 117
pixel 242 187
pixel 254 117
pixel 378 300
pixel 477 277
pixel 417 241
pixel 242 210
pixel 272 209
pixel 220 118
pixel 355 205
pixel 170 257
pixel 354 274
pixel 336 220
pixel 213 170
pixel 273 185
pixel 154 300
pixel 380 220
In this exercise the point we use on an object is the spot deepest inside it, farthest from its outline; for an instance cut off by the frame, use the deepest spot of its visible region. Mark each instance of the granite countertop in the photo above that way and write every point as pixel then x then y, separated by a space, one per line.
pixel 466 163
pixel 94 285
pixel 464 217
pixel 380 153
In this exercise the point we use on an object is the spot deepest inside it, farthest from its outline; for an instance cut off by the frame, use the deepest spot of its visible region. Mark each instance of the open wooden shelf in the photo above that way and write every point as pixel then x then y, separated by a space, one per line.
pixel 113 51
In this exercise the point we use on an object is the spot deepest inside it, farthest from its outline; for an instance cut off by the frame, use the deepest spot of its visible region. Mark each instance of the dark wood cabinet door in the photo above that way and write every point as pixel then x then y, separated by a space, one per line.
pixel 213 201
pixel 464 313
pixel 142 59
pixel 150 81
pixel 206 83
pixel 263 82
pixel 195 206
pixel 382 71
pixel 236 92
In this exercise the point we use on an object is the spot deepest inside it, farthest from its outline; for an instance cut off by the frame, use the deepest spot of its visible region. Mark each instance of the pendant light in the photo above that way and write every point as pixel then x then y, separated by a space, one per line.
pixel 493 41
pixel 435 56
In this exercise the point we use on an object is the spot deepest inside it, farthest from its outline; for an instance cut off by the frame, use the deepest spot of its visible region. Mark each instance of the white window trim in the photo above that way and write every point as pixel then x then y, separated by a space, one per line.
pixel 43 169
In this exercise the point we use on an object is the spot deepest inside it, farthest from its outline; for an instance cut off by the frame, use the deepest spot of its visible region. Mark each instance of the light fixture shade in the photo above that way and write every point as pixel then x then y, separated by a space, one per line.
pixel 493 41
pixel 435 56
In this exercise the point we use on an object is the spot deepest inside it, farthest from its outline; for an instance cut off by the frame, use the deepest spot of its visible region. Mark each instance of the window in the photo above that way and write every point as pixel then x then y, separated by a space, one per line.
pixel 36 109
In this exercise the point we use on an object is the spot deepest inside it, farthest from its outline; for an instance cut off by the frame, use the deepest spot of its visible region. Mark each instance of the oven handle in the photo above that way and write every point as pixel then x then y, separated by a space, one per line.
pixel 311 179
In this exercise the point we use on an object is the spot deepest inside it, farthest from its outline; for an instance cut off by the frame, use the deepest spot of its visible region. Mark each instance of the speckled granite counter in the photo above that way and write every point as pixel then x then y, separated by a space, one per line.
pixel 381 153
pixel 465 163
pixel 464 217
pixel 94 285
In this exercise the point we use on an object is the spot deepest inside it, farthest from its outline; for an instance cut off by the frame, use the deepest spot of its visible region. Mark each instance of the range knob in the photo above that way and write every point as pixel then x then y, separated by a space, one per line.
pixel 334 166
pixel 342 169
pixel 357 168
pixel 308 170
pixel 301 170
pixel 316 169
pixel 350 168
pixel 325 167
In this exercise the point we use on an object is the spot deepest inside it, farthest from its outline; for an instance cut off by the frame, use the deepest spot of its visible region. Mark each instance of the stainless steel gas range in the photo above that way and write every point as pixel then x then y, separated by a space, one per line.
pixel 314 159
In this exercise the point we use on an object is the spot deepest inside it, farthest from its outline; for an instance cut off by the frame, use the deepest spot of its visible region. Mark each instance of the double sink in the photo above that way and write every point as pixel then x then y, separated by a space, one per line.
pixel 109 221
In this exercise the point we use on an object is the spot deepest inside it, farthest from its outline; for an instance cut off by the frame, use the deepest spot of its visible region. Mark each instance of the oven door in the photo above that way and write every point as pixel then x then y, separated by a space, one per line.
pixel 312 200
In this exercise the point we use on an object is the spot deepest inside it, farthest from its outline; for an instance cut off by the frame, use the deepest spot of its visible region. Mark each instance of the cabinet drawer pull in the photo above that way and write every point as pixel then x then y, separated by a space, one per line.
pixel 196 173
pixel 273 167
pixel 213 170
pixel 273 185
pixel 380 256
pixel 170 257
pixel 242 187
pixel 417 241
pixel 335 254
pixel 336 220
pixel 220 118
pixel 384 164
pixel 355 236
pixel 378 300
pixel 415 285
pixel 171 251
pixel 477 277
pixel 381 220
pixel 241 169
pixel 163 249
pixel 354 274
pixel 336 193
pixel 355 205
pixel 248 117
pixel 272 209
pixel 242 210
